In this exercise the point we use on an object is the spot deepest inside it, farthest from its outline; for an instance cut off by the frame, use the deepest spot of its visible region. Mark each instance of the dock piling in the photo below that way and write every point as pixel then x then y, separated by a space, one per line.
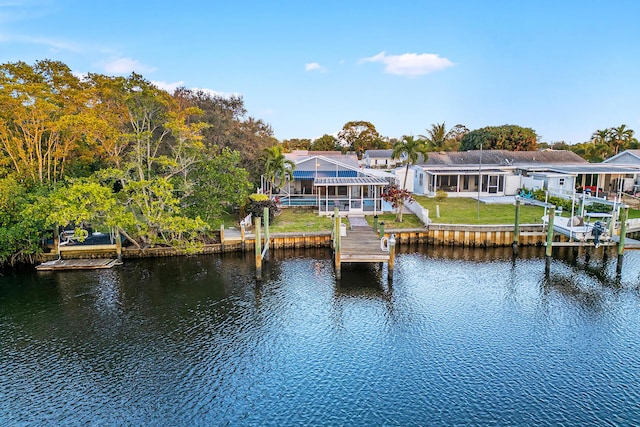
pixel 549 248
pixel 516 229
pixel 258 248
pixel 336 242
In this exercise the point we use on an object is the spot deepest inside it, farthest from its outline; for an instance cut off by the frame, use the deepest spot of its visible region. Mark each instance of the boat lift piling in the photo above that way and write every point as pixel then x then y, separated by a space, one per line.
pixel 261 253
pixel 516 227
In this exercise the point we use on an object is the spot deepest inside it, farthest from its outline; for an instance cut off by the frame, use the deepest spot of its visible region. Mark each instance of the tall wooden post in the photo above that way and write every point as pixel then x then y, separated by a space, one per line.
pixel 222 236
pixel 552 216
pixel 375 223
pixel 265 215
pixel 623 234
pixel 392 255
pixel 337 243
pixel 242 235
pixel 516 227
pixel 258 248
pixel 382 229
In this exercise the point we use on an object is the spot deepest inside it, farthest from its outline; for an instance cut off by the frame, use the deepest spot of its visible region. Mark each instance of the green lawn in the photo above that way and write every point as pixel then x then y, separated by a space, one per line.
pixel 452 211
pixel 300 220
pixel 389 219
pixel 456 210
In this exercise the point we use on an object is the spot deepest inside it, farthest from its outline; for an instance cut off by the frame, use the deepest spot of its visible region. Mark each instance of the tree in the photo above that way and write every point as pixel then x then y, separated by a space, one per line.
pixel 36 104
pixel 276 165
pixel 506 137
pixel 218 184
pixel 411 148
pixel 296 144
pixel 439 139
pixel 325 143
pixel 621 137
pixel 359 136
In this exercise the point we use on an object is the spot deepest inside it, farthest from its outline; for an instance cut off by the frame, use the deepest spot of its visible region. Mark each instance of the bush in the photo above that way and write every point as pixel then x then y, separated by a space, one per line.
pixel 257 203
pixel 441 195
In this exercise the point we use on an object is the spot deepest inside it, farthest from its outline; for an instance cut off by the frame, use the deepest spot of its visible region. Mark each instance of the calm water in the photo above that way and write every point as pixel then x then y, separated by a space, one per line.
pixel 460 337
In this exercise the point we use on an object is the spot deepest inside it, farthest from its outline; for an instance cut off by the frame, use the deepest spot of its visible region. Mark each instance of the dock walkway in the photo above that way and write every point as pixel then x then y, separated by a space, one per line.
pixel 77 264
pixel 362 243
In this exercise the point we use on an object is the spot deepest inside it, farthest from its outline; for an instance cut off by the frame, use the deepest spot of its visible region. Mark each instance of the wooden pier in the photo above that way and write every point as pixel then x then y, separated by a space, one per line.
pixel 78 264
pixel 362 243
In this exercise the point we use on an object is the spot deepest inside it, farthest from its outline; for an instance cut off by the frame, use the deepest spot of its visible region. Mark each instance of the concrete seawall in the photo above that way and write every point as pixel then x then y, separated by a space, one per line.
pixel 436 234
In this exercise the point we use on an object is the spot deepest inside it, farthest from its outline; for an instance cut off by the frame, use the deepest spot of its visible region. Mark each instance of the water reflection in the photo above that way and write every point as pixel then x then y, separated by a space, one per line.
pixel 460 334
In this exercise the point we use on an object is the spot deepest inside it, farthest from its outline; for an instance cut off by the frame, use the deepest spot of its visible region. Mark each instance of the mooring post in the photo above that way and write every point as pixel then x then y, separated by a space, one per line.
pixel 623 233
pixel 516 227
pixel 242 232
pixel 552 215
pixel 267 246
pixel 222 236
pixel 381 229
pixel 392 255
pixel 258 248
pixel 375 223
pixel 337 243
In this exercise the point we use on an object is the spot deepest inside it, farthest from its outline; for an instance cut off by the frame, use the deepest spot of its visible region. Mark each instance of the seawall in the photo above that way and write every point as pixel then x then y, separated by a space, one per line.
pixel 484 236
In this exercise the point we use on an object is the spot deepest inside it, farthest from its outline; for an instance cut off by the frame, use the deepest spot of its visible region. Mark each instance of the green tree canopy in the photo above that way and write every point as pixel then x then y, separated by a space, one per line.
pixel 506 137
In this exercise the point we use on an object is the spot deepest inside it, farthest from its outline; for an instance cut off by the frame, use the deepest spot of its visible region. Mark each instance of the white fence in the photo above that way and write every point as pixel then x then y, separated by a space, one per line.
pixel 246 222
pixel 419 211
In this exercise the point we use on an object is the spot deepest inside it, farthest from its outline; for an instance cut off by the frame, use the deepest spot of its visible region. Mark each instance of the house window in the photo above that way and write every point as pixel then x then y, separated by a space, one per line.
pixel 421 183
pixel 561 182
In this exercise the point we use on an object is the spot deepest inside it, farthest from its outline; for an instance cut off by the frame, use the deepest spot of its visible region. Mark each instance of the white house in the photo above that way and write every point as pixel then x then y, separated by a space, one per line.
pixel 381 159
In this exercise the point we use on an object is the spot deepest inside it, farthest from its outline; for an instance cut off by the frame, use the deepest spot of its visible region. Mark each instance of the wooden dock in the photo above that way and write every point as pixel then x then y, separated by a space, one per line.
pixel 362 244
pixel 77 264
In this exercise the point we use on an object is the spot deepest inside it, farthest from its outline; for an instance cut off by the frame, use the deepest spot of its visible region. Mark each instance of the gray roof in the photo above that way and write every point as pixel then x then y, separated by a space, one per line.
pixel 379 153
pixel 366 180
pixel 504 157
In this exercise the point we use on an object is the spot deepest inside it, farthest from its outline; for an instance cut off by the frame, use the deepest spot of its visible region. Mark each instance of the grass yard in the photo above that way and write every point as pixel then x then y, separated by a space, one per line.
pixel 300 220
pixel 389 219
pixel 456 210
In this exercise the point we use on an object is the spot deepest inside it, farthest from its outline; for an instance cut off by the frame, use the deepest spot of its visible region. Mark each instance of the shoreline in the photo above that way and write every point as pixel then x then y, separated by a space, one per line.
pixel 461 235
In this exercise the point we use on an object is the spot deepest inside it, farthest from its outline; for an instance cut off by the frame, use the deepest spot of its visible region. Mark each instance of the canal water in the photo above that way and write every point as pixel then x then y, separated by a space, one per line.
pixel 458 337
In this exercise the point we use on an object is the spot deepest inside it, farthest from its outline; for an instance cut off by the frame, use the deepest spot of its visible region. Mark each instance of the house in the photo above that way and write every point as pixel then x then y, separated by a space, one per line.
pixel 629 158
pixel 503 173
pixel 329 179
pixel 382 159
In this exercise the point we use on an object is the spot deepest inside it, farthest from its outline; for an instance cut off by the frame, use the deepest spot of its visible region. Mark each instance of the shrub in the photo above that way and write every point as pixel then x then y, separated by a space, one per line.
pixel 257 203
pixel 441 195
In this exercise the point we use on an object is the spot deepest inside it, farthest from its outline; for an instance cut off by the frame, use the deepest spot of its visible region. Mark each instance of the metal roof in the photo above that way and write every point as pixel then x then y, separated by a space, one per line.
pixel 362 180
pixel 599 168
pixel 466 171
pixel 298 174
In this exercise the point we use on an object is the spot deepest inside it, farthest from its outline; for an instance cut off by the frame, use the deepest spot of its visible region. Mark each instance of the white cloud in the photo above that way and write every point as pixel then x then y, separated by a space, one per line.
pixel 215 92
pixel 168 86
pixel 54 44
pixel 410 64
pixel 126 66
pixel 314 66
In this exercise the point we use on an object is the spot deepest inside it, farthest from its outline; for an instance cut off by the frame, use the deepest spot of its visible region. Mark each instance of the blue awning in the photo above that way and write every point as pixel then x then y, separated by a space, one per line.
pixel 302 174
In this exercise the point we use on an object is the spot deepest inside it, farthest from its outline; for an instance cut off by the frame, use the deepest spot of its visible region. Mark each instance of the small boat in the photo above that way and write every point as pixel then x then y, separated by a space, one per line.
pixel 593 227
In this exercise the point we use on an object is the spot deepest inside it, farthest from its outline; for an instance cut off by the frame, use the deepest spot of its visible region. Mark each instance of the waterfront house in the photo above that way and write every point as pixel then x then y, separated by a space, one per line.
pixel 504 173
pixel 329 179
pixel 382 159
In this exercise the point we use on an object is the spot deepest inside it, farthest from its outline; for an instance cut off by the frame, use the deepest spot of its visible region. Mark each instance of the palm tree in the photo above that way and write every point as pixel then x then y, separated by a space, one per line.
pixel 620 137
pixel 411 148
pixel 276 165
pixel 439 139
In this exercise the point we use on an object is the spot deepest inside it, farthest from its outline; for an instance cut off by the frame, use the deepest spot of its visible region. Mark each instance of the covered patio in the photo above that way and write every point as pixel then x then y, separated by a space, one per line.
pixel 351 195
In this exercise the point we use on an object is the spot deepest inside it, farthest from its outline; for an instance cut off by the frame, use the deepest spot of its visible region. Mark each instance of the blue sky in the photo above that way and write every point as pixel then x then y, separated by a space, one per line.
pixel 563 68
